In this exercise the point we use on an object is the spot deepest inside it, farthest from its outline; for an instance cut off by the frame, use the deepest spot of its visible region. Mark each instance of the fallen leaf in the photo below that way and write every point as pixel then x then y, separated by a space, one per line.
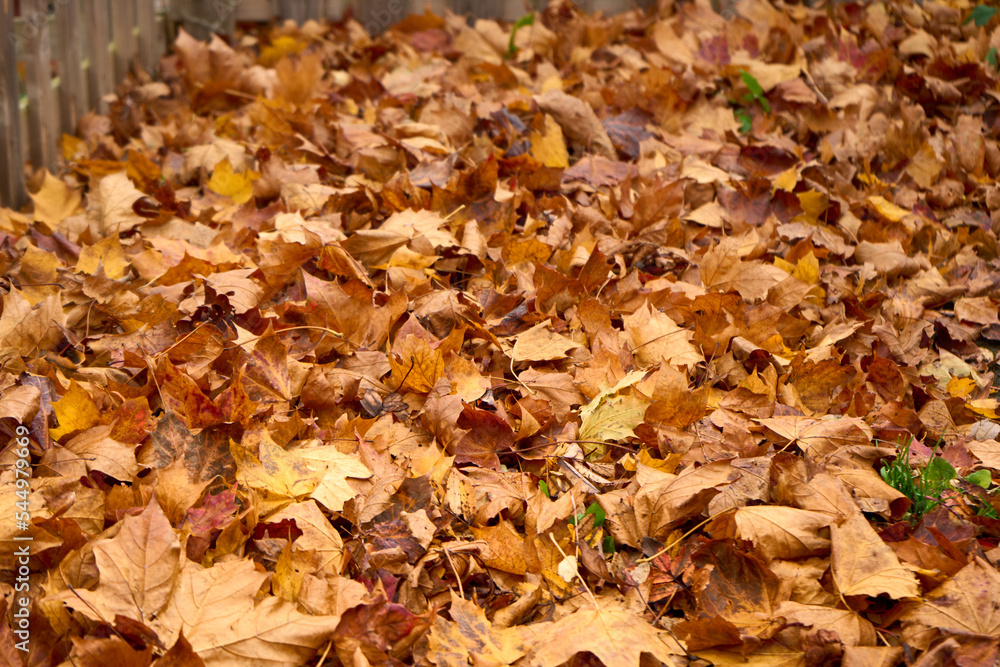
pixel 863 564
pixel 618 639
pixel 470 638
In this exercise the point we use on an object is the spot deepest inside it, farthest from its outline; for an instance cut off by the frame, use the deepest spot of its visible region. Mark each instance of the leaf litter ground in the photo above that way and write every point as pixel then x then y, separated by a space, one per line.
pixel 581 344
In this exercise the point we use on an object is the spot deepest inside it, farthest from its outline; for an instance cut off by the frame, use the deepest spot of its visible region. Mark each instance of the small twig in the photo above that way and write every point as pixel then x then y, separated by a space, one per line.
pixel 326 651
pixel 684 536
pixel 590 594
pixel 458 577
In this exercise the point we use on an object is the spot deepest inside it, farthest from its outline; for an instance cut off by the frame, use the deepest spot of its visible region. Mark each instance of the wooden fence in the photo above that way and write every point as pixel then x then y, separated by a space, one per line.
pixel 57 65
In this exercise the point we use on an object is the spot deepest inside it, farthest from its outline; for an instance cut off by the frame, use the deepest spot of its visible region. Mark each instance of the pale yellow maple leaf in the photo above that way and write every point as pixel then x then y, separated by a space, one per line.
pixel 657 339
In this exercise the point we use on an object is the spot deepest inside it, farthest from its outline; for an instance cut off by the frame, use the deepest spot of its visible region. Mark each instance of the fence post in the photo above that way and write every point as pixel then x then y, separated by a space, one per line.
pixel 42 132
pixel 122 23
pixel 436 6
pixel 145 18
pixel 12 166
pixel 99 74
pixel 202 18
pixel 479 9
pixel 72 96
pixel 376 16
pixel 300 10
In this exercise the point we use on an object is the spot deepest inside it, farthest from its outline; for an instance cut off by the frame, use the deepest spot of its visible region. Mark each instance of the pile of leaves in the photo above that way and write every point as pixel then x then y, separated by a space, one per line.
pixel 581 342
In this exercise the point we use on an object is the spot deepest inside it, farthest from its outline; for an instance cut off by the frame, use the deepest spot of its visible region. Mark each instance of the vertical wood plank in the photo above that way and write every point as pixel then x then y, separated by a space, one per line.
pixel 122 23
pixel 292 9
pixel 435 6
pixel 12 166
pixel 203 18
pixel 514 9
pixel 377 16
pixel 301 11
pixel 480 9
pixel 165 31
pixel 145 19
pixel 100 75
pixel 42 127
pixel 170 16
pixel 610 7
pixel 335 9
pixel 72 95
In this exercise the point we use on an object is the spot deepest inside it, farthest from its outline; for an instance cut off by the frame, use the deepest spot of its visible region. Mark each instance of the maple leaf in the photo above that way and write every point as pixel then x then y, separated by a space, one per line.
pixel 660 503
pixel 75 411
pixel 55 201
pixel 656 338
pixel 319 539
pixel 964 603
pixel 272 633
pixel 278 473
pixel 783 532
pixel 863 564
pixel 470 637
pixel 612 418
pixel 138 570
pixel 333 489
pixel 230 183
pixel 540 343
pixel 617 637
pixel 111 211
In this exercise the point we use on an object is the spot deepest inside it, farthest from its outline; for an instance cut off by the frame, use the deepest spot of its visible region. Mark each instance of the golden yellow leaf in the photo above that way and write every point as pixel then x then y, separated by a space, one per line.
pixel 540 343
pixel 469 638
pixel 106 253
pixel 277 472
pixel 613 418
pixel 887 209
pixel 786 180
pixel 230 183
pixel 55 201
pixel 657 339
pixel 319 539
pixel 413 359
pixel 76 411
pixel 548 146
pixel 336 468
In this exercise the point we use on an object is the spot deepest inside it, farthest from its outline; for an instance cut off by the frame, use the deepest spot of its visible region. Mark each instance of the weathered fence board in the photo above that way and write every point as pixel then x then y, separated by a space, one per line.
pixel 145 20
pixel 69 48
pixel 122 24
pixel 11 171
pixel 42 125
pixel 201 18
pixel 100 77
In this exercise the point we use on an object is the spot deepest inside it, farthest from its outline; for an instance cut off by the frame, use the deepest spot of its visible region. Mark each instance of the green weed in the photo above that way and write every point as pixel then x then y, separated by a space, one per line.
pixel 527 19
pixel 924 485
pixel 756 94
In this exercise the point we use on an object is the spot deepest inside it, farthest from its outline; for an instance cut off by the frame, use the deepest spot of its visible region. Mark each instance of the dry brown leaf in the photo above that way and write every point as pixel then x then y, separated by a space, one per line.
pixel 862 564
pixel 618 639
pixel 783 532
pixel 540 343
pixel 966 603
pixel 138 567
